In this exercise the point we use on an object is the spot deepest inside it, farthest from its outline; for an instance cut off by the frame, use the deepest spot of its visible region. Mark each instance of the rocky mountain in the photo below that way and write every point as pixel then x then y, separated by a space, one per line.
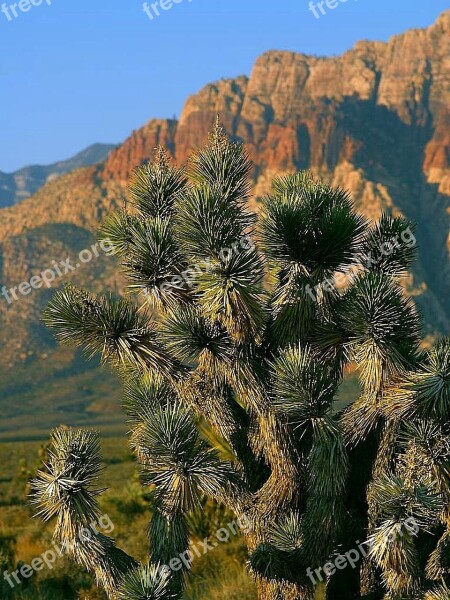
pixel 25 182
pixel 374 120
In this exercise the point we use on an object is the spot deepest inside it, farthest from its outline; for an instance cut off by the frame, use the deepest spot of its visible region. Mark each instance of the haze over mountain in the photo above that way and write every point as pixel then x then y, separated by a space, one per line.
pixel 25 182
pixel 374 120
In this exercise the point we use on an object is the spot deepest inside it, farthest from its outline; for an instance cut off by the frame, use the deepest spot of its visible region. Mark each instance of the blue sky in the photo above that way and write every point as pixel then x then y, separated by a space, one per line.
pixel 77 72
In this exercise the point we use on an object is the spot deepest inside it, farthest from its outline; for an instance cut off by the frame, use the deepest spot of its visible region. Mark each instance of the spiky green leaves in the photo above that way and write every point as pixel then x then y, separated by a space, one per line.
pixel 405 509
pixel 393 550
pixel 150 252
pixel 213 230
pixel 207 223
pixel 66 490
pixel 188 335
pixel 327 461
pixel 118 230
pixel 155 186
pixel 282 557
pixel 409 501
pixel 390 247
pixel 148 582
pixel 303 389
pixel 399 500
pixel 294 307
pixel 382 326
pixel 231 293
pixel 145 395
pixel 99 554
pixel 269 562
pixel 115 329
pixel 286 534
pixel 425 454
pixel 424 392
pixel 151 257
pixel 293 182
pixel 327 468
pixel 179 463
pixel 223 164
pixel 311 225
pixel 66 487
pixel 169 536
pixel 153 263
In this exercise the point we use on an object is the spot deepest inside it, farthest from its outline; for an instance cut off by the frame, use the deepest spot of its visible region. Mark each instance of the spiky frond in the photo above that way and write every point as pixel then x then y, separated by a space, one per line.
pixel 296 227
pixel 424 392
pixel 99 555
pixel 360 418
pixel 188 335
pixel 390 246
pixel 399 500
pixel 327 475
pixel 154 187
pixel 327 461
pixel 66 490
pixel 393 549
pixel 294 308
pixel 67 483
pixel 382 326
pixel 223 164
pixel 147 582
pixel 286 534
pixel 303 389
pixel 208 224
pixel 282 558
pixel 118 231
pixel 231 293
pixel 146 394
pixel 269 562
pixel 151 257
pixel 292 182
pixel 112 328
pixel 179 463
pixel 425 454
pixel 169 536
pixel 154 263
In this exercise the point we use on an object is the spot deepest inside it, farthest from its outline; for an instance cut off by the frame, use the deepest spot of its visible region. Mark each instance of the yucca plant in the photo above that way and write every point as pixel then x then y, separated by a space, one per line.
pixel 231 360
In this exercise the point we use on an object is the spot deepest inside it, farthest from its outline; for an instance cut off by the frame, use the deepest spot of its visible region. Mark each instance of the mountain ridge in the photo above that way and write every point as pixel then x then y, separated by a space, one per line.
pixel 373 120
pixel 26 181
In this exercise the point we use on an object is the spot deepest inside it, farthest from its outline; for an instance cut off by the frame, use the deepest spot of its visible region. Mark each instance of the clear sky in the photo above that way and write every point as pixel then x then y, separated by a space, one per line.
pixel 77 72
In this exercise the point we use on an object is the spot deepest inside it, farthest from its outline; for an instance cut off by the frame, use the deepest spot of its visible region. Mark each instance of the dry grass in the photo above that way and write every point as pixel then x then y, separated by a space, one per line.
pixel 222 574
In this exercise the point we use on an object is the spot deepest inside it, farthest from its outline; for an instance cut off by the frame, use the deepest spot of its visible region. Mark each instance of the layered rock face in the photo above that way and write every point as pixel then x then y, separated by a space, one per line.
pixel 374 120
pixel 138 148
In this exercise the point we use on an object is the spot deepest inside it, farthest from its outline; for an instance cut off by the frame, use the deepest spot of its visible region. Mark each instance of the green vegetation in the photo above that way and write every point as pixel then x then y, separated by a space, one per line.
pixel 69 390
pixel 231 368
pixel 220 574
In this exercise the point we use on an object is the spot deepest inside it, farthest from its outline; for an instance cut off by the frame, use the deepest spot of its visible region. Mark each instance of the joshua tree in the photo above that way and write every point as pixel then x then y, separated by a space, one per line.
pixel 248 324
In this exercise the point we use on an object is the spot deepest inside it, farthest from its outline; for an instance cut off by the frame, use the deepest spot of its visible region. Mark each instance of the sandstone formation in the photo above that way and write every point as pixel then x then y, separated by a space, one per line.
pixel 374 120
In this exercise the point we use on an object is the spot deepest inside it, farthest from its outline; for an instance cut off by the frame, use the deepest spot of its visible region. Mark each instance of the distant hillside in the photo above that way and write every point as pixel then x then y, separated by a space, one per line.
pixel 25 182
pixel 374 120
